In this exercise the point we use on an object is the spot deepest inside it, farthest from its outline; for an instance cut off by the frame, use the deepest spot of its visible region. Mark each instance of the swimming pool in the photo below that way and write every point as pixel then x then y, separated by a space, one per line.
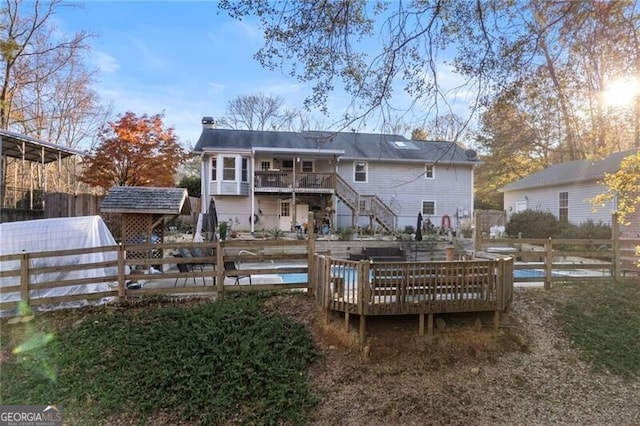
pixel 519 273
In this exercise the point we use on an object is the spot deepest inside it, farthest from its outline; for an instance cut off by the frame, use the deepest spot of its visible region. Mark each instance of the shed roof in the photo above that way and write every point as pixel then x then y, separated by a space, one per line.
pixel 15 145
pixel 571 172
pixel 137 199
pixel 348 145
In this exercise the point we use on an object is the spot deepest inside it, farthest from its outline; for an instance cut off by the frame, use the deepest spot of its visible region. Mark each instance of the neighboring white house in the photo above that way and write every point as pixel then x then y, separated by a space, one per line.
pixel 267 179
pixel 566 190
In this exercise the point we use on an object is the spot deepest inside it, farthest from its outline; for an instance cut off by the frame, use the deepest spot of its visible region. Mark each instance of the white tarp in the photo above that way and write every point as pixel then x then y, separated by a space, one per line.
pixel 51 235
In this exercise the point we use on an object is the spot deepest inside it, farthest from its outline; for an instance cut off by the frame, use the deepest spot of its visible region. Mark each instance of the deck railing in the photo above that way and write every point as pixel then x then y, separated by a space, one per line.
pixel 400 288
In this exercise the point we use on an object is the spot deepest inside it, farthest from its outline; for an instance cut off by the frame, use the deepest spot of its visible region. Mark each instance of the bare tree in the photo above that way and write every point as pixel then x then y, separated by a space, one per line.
pixel 259 112
pixel 46 90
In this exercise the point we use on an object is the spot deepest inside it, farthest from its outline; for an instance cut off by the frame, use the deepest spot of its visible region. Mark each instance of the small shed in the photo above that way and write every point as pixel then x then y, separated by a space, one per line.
pixel 145 210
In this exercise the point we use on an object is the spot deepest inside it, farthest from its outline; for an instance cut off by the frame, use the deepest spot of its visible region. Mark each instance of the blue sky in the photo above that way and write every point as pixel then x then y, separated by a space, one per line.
pixel 180 58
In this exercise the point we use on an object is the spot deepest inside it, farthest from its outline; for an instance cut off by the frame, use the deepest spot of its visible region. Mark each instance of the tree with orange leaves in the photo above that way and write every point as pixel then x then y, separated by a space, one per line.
pixel 134 151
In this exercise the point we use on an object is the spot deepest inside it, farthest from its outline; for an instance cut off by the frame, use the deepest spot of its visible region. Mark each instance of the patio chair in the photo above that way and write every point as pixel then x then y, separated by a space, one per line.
pixel 187 268
pixel 230 267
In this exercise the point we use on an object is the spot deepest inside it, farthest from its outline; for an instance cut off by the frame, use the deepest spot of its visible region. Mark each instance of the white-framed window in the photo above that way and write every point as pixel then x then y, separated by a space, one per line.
pixel 428 208
pixel 245 169
pixel 563 207
pixel 285 209
pixel 363 206
pixel 265 165
pixel 229 168
pixel 307 166
pixel 429 171
pixel 214 169
pixel 360 171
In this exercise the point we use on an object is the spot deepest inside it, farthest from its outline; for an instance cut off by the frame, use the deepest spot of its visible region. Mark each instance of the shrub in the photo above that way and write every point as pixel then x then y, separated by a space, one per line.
pixel 585 231
pixel 533 224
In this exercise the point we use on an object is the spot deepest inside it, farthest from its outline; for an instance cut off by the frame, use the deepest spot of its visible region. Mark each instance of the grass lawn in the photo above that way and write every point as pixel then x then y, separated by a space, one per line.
pixel 603 319
pixel 233 361
pixel 207 363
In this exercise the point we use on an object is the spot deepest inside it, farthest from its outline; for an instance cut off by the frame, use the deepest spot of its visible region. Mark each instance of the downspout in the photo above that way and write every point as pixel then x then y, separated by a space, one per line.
pixel 252 191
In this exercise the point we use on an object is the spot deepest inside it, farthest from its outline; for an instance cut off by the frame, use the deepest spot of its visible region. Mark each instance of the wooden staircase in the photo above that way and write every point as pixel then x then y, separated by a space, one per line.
pixel 368 205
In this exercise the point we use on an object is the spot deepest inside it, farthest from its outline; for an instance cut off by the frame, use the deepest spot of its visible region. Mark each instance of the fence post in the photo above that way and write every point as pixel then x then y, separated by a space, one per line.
pixel 477 233
pixel 615 246
pixel 24 278
pixel 311 261
pixel 548 266
pixel 122 291
pixel 220 269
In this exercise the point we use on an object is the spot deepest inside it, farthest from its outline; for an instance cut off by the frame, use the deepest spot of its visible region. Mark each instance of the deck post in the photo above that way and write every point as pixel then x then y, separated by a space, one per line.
pixel 430 324
pixel 363 328
pixel 421 324
pixel 496 319
pixel 346 320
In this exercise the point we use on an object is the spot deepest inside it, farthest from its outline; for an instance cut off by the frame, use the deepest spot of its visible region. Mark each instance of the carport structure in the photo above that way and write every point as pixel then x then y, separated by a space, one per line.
pixel 25 174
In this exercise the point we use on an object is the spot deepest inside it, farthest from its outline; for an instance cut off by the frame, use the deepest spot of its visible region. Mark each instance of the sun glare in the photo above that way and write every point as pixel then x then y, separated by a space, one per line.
pixel 621 92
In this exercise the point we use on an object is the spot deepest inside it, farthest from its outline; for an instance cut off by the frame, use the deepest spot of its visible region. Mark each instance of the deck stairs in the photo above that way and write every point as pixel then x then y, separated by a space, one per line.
pixel 366 205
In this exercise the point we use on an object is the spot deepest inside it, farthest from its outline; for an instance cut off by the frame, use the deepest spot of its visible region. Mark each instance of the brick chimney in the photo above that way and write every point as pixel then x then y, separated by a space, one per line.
pixel 208 123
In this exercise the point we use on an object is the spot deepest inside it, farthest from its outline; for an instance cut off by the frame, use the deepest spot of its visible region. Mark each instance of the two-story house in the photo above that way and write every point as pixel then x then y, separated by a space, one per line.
pixel 268 180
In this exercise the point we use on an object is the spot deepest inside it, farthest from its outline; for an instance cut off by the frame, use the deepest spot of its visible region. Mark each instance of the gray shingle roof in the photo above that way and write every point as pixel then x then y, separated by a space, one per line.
pixel 350 145
pixel 136 199
pixel 570 172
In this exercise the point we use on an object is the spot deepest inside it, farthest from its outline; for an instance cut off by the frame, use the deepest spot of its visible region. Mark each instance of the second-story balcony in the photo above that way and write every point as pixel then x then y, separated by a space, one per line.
pixel 302 182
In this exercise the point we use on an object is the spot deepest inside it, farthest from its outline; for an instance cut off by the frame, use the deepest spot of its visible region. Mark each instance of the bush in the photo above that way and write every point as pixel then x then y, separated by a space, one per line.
pixel 533 224
pixel 586 230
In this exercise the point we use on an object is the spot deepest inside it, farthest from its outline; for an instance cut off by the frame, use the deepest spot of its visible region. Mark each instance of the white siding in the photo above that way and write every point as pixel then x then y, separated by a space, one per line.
pixel 546 200
pixel 403 187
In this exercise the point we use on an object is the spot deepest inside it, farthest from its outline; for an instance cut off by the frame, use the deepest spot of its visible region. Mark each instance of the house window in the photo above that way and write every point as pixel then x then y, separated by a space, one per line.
pixel 214 169
pixel 307 166
pixel 360 171
pixel 363 206
pixel 428 208
pixel 287 164
pixel 563 207
pixel 228 168
pixel 245 170
pixel 429 171
pixel 265 165
pixel 285 209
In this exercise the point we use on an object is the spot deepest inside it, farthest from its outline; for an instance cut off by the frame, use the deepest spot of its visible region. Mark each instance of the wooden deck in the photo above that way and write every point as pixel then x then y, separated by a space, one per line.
pixel 407 288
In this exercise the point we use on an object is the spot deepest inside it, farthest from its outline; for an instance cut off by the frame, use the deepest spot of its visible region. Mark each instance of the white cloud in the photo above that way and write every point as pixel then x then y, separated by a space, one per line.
pixel 105 62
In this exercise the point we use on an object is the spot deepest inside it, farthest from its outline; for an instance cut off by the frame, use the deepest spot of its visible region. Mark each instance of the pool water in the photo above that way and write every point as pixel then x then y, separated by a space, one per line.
pixel 302 277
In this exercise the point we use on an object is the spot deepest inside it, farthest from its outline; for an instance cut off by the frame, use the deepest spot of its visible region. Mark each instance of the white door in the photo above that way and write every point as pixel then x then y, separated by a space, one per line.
pixel 284 215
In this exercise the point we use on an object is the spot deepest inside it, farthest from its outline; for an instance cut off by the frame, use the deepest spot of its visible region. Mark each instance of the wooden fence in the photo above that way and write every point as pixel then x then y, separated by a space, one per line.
pixel 562 260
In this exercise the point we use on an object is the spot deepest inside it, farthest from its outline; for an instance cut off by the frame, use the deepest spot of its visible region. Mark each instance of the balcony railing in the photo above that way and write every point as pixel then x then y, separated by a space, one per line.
pixel 278 181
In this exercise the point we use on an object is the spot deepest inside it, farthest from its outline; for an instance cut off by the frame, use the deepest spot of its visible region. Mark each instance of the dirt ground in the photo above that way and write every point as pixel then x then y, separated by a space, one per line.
pixel 527 372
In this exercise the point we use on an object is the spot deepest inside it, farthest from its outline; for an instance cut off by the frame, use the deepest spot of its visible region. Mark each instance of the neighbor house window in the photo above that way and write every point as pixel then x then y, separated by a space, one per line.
pixel 245 170
pixel 360 171
pixel 265 165
pixel 307 166
pixel 429 171
pixel 428 208
pixel 563 207
pixel 214 169
pixel 228 168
